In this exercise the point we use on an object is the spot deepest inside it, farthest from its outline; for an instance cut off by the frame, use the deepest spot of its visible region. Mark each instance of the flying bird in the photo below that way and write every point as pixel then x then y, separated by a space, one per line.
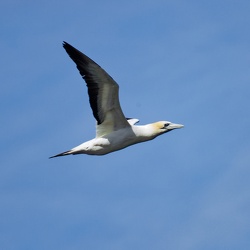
pixel 113 130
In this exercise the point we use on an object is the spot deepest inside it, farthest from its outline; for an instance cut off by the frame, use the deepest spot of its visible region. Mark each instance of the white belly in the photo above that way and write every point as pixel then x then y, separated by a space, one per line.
pixel 114 141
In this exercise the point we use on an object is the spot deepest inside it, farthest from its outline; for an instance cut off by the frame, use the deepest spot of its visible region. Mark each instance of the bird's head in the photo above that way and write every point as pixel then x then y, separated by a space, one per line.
pixel 162 127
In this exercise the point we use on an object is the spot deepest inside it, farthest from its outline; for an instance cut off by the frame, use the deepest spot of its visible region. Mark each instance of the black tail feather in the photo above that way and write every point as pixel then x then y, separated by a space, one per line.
pixel 61 154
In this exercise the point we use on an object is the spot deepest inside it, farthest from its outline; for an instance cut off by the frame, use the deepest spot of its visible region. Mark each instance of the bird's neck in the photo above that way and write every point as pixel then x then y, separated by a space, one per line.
pixel 146 132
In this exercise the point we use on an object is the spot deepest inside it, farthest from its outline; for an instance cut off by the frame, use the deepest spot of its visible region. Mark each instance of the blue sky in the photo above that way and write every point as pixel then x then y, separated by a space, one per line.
pixel 183 61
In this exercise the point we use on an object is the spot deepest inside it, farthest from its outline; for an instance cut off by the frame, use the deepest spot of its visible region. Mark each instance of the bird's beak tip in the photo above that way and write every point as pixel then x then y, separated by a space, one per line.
pixel 178 125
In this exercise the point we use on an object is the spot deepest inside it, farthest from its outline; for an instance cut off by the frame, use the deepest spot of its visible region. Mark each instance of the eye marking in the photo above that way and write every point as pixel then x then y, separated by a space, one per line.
pixel 166 125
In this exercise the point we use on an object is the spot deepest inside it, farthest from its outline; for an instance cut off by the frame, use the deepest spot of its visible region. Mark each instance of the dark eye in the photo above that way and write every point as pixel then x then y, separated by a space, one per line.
pixel 166 125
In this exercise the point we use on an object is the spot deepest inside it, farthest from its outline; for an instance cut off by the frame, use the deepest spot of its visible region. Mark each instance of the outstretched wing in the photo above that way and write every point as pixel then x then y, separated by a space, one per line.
pixel 103 92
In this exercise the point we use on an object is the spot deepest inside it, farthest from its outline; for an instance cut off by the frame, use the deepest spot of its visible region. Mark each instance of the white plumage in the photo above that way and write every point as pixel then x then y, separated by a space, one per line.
pixel 113 130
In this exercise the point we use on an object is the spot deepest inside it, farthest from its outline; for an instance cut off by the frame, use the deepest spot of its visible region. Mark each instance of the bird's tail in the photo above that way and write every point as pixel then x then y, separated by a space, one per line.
pixel 69 152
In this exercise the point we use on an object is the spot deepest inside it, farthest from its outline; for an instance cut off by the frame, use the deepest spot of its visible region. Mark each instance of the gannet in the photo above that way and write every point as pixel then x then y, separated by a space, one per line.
pixel 113 130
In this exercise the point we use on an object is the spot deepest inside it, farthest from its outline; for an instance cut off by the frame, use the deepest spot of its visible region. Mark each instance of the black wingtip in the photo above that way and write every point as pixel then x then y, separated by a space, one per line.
pixel 74 54
pixel 65 44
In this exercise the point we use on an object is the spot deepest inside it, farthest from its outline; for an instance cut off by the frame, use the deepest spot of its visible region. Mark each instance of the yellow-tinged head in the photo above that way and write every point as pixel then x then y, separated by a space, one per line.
pixel 164 127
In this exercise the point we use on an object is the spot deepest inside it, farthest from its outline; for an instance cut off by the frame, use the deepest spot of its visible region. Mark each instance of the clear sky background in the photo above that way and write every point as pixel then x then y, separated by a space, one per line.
pixel 182 61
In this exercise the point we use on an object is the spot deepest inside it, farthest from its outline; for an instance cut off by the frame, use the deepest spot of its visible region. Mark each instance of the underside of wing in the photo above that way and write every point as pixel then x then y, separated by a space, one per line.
pixel 102 89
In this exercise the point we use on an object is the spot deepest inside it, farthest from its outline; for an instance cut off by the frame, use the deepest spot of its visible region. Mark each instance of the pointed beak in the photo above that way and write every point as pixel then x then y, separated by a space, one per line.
pixel 174 126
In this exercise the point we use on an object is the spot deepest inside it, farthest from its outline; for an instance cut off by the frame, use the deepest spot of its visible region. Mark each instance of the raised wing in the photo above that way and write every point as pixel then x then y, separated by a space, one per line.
pixel 132 121
pixel 102 90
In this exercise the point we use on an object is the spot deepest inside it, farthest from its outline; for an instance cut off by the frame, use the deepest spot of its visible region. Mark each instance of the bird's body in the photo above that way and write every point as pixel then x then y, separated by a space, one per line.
pixel 113 130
